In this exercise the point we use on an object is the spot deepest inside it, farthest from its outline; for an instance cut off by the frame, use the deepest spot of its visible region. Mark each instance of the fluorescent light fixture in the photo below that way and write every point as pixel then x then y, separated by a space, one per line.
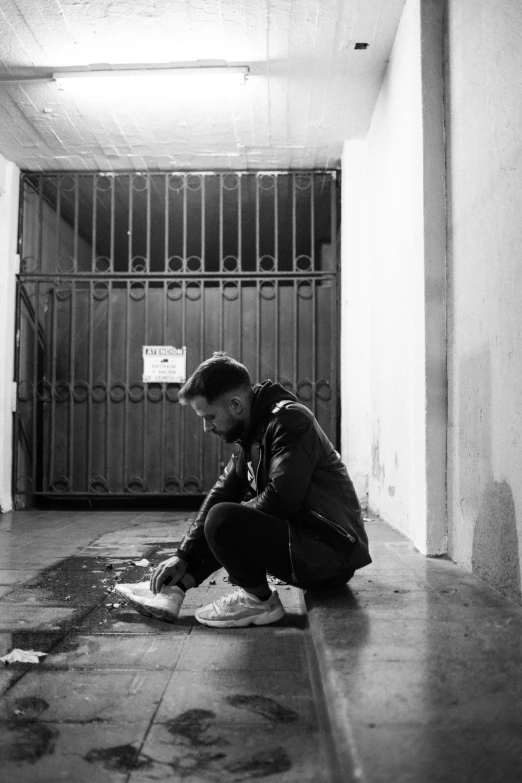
pixel 130 71
pixel 152 70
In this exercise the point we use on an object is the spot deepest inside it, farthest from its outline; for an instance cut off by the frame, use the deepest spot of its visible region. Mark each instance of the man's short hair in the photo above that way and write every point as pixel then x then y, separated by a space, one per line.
pixel 215 376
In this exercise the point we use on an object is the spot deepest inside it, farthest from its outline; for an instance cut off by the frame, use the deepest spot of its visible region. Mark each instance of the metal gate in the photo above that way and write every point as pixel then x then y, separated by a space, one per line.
pixel 240 262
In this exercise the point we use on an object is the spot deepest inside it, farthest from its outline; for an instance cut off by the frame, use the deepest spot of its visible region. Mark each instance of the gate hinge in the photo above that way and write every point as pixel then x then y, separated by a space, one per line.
pixel 17 264
pixel 14 394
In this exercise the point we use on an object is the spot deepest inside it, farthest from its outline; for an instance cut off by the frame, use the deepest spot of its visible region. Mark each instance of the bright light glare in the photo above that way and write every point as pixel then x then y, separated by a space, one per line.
pixel 149 88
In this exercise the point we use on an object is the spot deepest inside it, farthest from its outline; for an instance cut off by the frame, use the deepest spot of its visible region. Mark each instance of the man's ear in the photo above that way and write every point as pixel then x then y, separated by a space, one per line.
pixel 236 404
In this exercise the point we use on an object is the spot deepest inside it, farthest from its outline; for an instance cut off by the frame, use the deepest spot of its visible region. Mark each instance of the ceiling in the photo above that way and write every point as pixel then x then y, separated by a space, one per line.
pixel 309 87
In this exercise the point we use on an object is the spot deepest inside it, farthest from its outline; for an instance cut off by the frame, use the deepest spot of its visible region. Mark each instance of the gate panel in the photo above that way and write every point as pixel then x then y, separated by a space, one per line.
pixel 240 263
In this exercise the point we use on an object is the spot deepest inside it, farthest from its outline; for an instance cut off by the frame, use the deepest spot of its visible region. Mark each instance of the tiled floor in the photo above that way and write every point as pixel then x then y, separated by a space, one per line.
pixel 419 661
pixel 124 698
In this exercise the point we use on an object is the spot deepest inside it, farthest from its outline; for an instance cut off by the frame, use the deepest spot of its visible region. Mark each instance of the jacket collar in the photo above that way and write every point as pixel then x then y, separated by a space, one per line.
pixel 265 396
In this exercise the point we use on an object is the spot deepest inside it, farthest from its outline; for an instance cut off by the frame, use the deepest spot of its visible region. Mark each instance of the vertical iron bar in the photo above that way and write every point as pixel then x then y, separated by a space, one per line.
pixel 39 253
pixel 294 380
pixel 56 265
pixel 163 469
pixel 76 221
pixel 90 380
pixel 203 200
pixel 294 219
pixel 240 284
pixel 181 408
pixel 163 457
pixel 221 348
pixel 257 221
pixel 276 331
pixel 71 381
pixel 312 220
pixel 166 253
pixel 185 187
pixel 239 232
pixel 36 317
pixel 52 444
pixel 240 265
pixel 94 214
pixel 145 396
pixel 126 374
pixel 258 330
pixel 113 218
pixel 147 251
pixel 221 266
pixel 313 283
pixel 201 357
pixel 129 232
pixel 108 467
pixel 276 224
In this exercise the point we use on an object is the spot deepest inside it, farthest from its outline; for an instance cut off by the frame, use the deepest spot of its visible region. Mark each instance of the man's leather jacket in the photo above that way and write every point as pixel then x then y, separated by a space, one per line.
pixel 297 476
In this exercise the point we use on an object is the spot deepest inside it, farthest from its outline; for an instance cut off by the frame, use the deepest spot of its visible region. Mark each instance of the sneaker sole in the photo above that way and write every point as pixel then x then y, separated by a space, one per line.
pixel 156 614
pixel 272 617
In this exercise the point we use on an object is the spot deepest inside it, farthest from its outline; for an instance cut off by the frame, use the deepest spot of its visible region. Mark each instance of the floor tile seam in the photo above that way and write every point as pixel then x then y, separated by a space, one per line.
pixel 112 669
pixel 234 725
pixel 15 678
pixel 124 634
pixel 12 590
pixel 151 722
pixel 235 668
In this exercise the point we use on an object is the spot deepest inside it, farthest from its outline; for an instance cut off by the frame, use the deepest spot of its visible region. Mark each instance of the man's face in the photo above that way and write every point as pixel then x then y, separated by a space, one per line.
pixel 219 418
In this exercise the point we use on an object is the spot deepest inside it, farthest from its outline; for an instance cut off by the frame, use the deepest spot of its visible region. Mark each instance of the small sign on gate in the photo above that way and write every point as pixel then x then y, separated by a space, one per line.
pixel 164 364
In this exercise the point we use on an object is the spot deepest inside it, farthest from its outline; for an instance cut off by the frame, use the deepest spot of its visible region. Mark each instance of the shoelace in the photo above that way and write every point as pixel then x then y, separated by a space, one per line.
pixel 232 598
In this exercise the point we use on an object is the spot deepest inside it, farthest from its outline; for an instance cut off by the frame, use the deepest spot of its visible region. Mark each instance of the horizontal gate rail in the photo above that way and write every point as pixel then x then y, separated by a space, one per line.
pixel 189 276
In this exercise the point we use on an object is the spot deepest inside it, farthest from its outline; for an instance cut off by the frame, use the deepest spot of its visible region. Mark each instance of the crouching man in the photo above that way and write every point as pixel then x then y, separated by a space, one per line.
pixel 284 505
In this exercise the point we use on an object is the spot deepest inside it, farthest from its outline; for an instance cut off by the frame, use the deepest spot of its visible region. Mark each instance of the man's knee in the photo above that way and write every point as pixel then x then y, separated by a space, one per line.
pixel 220 520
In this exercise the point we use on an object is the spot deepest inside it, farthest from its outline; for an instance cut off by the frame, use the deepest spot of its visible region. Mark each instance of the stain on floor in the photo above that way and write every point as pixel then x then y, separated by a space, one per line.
pixel 27 740
pixel 121 758
pixel 195 726
pixel 267 762
pixel 262 705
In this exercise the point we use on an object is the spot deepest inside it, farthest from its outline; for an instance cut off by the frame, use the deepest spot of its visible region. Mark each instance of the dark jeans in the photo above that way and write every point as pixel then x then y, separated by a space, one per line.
pixel 248 544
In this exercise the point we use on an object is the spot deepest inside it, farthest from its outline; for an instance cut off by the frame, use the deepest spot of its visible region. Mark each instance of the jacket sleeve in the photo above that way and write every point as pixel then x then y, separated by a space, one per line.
pixel 228 488
pixel 294 453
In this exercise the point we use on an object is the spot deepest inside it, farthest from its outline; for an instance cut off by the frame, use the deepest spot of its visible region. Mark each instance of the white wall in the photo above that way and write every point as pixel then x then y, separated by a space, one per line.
pixel 484 160
pixel 399 410
pixel 9 188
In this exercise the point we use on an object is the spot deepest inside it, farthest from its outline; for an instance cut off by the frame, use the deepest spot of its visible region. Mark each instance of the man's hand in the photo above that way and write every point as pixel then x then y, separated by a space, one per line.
pixel 173 567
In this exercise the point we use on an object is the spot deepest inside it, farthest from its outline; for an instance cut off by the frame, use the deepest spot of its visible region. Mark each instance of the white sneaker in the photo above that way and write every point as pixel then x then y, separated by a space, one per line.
pixel 163 606
pixel 240 609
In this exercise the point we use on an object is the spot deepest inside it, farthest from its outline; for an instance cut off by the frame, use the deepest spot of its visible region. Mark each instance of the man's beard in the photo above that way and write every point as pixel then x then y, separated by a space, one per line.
pixel 232 434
